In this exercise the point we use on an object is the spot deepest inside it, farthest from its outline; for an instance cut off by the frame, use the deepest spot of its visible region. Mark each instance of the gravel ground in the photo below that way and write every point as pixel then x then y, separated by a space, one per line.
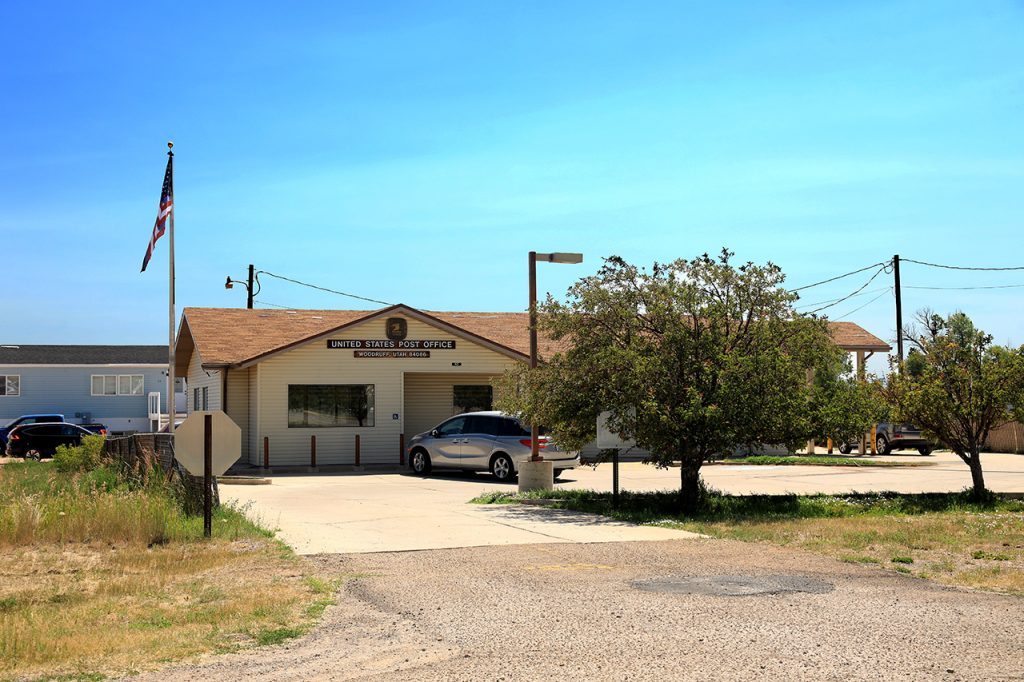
pixel 601 612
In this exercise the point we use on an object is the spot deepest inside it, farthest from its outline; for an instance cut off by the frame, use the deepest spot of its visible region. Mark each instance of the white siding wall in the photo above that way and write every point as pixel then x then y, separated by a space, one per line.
pixel 238 405
pixel 429 397
pixel 199 378
pixel 314 363
pixel 252 436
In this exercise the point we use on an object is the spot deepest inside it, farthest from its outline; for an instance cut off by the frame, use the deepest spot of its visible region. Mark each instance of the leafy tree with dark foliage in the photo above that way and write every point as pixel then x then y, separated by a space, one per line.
pixel 694 358
pixel 957 385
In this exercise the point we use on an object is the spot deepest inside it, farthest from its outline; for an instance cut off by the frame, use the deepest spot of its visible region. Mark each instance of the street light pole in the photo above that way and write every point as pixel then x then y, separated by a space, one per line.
pixel 534 428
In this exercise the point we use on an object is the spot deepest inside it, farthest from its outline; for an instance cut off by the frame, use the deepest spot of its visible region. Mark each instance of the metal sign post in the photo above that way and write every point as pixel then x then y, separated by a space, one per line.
pixel 609 440
pixel 207 475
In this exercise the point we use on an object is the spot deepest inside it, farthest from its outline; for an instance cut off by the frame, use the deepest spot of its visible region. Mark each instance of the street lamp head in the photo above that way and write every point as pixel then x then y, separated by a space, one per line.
pixel 572 258
pixel 228 284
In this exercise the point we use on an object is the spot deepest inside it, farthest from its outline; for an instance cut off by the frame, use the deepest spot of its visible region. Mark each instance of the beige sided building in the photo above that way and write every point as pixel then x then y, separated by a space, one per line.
pixel 384 376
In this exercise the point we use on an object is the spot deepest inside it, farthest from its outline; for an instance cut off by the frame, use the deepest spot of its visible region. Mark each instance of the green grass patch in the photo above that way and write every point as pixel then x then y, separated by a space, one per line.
pixel 277 635
pixel 936 534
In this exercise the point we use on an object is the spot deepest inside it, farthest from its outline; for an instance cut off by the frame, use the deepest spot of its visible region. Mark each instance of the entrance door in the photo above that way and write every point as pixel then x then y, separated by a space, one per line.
pixel 446 446
pixel 478 438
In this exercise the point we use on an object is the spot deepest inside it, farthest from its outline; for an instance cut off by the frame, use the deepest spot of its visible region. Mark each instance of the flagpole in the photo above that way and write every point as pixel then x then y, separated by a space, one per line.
pixel 172 411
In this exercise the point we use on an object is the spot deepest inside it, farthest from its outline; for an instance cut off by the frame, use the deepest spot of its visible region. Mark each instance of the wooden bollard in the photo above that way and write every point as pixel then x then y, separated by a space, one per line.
pixel 357 449
pixel 830 446
pixel 874 435
pixel 312 451
pixel 266 452
pixel 401 449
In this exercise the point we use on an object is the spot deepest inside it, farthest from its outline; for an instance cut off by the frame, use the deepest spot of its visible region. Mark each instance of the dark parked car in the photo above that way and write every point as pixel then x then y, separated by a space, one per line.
pixel 41 440
pixel 27 419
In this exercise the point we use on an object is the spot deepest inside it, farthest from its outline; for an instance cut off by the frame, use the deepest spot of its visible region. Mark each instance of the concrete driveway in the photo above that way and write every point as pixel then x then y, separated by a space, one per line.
pixel 355 512
pixel 384 512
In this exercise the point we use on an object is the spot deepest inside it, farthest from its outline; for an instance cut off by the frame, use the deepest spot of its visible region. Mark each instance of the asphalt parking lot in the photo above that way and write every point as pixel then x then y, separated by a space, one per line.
pixel 352 512
pixel 732 611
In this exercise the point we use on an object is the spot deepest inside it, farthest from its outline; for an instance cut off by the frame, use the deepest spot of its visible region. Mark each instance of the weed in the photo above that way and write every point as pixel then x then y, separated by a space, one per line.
pixel 991 556
pixel 903 569
pixel 277 635
pixel 902 560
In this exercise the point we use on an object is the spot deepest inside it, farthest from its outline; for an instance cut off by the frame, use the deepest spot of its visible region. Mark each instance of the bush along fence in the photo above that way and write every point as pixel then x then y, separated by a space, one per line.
pixel 146 453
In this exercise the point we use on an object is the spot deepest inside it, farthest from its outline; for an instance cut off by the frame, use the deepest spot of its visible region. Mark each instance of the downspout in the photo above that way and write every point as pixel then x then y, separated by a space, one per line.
pixel 224 391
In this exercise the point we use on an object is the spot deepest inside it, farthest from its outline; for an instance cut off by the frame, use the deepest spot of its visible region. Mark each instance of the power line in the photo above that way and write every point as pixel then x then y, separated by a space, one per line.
pixel 832 279
pixel 274 305
pixel 1001 286
pixel 957 267
pixel 846 298
pixel 834 300
pixel 859 308
pixel 330 291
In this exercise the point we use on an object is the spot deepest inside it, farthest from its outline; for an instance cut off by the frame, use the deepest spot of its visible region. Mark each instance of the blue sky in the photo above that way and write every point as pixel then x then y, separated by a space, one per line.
pixel 414 152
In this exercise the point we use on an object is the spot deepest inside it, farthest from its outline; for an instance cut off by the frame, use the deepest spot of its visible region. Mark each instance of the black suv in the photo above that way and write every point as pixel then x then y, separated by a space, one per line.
pixel 41 440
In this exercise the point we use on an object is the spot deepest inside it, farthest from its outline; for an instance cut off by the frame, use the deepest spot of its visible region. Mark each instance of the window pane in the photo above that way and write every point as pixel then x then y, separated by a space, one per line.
pixel 3 385
pixel 472 399
pixel 206 397
pixel 137 384
pixel 110 384
pixel 13 385
pixel 296 405
pixel 328 405
pixel 452 427
pixel 124 385
pixel 97 384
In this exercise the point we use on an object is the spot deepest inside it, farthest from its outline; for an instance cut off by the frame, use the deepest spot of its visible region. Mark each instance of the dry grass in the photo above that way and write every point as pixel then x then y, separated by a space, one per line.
pixel 77 609
pixel 102 576
pixel 969 549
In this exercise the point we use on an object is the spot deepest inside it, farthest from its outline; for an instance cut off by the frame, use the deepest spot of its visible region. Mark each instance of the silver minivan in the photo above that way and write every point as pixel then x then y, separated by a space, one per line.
pixel 483 441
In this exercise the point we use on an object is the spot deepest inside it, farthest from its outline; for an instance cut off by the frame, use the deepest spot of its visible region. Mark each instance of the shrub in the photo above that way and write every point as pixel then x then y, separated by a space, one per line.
pixel 84 457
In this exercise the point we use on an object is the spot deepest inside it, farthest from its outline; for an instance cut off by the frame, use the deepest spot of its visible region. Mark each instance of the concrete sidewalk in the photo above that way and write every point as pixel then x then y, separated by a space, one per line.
pixel 351 512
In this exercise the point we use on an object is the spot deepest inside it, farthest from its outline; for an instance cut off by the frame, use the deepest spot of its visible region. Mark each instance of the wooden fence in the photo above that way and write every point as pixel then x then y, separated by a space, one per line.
pixel 1007 438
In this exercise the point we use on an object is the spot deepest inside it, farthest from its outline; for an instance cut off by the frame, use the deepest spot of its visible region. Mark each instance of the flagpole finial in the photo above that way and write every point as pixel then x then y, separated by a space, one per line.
pixel 170 147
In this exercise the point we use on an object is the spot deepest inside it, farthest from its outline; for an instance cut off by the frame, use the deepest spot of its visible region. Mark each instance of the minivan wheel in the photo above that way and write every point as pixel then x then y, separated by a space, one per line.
pixel 558 472
pixel 882 446
pixel 925 450
pixel 420 462
pixel 501 467
pixel 846 448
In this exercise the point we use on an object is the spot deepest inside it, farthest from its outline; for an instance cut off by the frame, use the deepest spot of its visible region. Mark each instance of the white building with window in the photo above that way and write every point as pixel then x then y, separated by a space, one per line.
pixel 357 381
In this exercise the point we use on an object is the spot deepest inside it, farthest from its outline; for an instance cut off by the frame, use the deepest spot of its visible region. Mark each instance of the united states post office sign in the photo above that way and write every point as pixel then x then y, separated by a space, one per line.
pixel 390 344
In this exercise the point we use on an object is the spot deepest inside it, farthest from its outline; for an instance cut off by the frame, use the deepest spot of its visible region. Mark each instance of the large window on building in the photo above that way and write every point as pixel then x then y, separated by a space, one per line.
pixel 472 399
pixel 325 405
pixel 117 384
pixel 10 384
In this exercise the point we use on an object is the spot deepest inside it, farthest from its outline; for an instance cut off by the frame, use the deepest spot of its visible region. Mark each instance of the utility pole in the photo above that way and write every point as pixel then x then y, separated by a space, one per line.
pixel 899 308
pixel 249 300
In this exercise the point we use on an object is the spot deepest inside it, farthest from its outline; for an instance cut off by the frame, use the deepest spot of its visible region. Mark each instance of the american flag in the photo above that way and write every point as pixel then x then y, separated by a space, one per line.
pixel 166 208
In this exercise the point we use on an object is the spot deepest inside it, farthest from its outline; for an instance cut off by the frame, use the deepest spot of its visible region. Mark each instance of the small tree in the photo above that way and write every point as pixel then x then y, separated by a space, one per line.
pixel 844 406
pixel 694 358
pixel 957 386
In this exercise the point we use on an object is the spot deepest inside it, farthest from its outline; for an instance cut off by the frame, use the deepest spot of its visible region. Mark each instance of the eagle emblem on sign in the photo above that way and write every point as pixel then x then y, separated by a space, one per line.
pixel 397 328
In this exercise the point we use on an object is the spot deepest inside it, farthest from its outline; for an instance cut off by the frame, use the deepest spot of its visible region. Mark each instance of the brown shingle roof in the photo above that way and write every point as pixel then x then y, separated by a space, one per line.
pixel 233 336
pixel 850 336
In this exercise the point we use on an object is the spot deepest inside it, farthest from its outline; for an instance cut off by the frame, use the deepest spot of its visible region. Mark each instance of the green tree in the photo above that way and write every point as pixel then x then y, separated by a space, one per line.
pixel 843 406
pixel 957 386
pixel 694 358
